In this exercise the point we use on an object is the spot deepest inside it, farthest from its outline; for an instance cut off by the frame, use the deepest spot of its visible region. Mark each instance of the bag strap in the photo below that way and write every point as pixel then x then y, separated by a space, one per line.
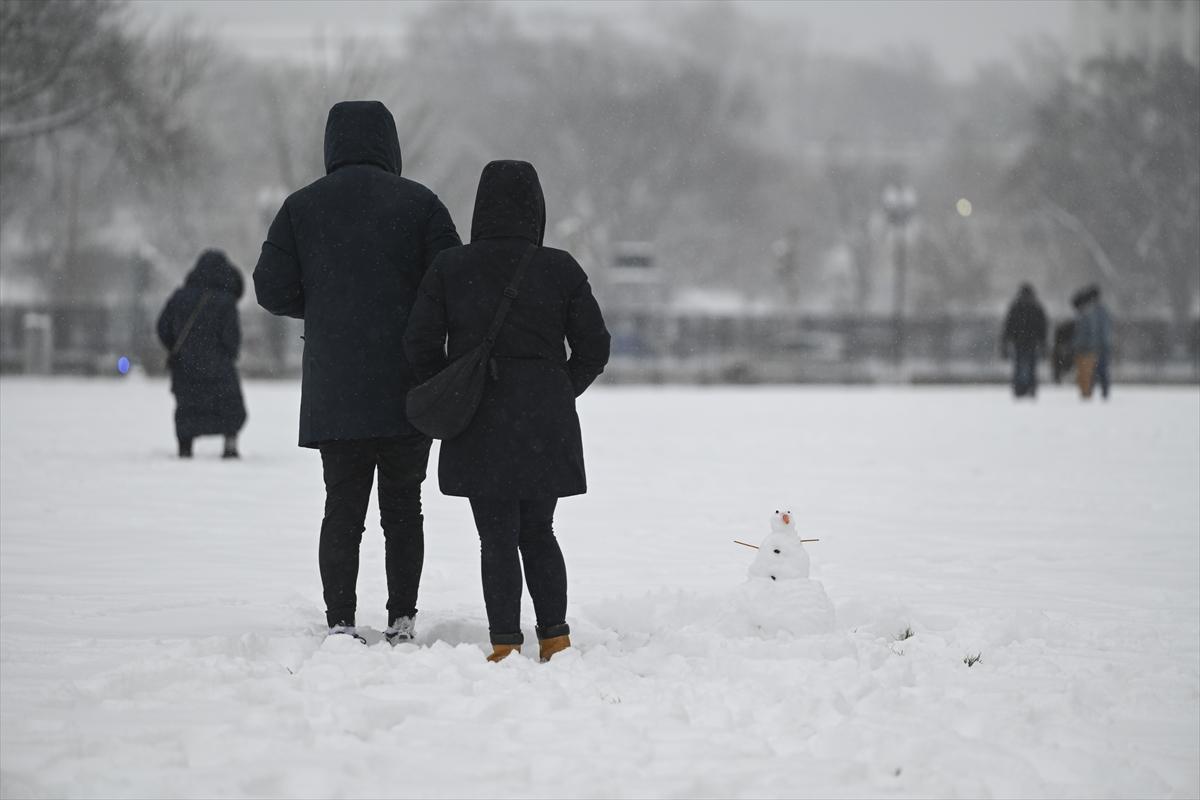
pixel 510 293
pixel 187 326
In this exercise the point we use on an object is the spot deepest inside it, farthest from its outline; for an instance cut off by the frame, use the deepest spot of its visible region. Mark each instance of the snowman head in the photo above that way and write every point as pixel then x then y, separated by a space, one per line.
pixel 783 520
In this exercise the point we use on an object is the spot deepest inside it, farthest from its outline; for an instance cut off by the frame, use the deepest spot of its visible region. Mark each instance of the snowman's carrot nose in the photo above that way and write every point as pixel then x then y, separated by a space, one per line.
pixel 787 519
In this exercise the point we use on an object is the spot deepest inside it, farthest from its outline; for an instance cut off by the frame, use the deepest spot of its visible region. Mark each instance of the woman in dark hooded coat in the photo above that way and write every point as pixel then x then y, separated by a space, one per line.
pixel 200 329
pixel 523 449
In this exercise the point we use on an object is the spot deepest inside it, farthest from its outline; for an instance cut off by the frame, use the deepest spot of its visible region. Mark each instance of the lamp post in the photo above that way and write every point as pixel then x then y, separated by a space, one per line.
pixel 268 200
pixel 786 250
pixel 899 204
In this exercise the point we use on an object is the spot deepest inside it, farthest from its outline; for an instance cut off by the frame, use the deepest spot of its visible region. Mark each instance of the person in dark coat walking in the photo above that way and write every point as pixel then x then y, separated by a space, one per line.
pixel 523 449
pixel 200 329
pixel 1024 340
pixel 346 254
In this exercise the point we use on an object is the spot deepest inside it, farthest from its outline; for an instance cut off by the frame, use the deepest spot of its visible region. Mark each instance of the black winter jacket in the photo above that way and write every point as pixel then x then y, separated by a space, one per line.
pixel 204 375
pixel 524 442
pixel 346 254
pixel 1025 324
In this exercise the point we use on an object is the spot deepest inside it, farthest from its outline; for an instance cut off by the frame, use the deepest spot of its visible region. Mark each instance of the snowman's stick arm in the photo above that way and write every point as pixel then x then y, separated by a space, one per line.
pixel 747 544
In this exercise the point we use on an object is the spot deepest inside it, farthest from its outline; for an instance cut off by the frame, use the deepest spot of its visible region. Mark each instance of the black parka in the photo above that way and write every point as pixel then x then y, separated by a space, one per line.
pixel 524 442
pixel 346 254
pixel 1025 323
pixel 204 375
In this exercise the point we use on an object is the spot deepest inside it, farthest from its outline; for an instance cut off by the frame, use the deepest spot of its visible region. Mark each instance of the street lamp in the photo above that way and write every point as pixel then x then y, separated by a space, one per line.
pixel 899 205
pixel 269 199
pixel 787 251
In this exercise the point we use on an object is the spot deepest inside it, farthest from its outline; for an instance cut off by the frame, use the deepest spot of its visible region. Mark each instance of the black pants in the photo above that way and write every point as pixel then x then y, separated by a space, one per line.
pixel 349 468
pixel 1024 381
pixel 1102 374
pixel 509 527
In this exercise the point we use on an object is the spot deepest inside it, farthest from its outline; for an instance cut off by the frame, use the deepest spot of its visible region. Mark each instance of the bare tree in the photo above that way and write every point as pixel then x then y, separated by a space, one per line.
pixel 94 117
pixel 61 61
pixel 1113 161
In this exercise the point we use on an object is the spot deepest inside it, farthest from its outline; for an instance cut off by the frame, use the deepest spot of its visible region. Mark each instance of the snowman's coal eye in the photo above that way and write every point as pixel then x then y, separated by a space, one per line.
pixel 776 551
pixel 777 511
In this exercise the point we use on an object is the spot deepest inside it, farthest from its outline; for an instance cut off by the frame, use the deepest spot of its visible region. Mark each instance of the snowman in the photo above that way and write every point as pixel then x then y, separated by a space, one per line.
pixel 779 597
pixel 781 556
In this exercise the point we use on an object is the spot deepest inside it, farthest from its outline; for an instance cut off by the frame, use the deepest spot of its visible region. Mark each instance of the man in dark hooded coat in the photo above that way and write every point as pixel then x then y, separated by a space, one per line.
pixel 346 255
pixel 523 449
pixel 199 327
pixel 1024 340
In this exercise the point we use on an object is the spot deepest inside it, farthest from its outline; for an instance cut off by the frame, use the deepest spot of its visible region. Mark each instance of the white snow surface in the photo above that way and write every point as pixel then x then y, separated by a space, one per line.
pixel 160 620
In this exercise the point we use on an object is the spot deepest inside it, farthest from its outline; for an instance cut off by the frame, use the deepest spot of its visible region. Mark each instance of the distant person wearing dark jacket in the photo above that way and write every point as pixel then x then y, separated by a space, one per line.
pixel 1024 340
pixel 200 329
pixel 346 255
pixel 1063 355
pixel 523 449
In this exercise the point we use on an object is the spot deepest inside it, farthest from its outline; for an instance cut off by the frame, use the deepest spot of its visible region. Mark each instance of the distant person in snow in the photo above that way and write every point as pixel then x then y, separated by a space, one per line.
pixel 1092 342
pixel 346 254
pixel 523 449
pixel 1024 340
pixel 200 329
pixel 1062 358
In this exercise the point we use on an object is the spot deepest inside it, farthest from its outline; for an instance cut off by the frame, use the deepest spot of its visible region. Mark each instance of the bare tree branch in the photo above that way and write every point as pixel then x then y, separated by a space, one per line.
pixel 37 126
pixel 1073 224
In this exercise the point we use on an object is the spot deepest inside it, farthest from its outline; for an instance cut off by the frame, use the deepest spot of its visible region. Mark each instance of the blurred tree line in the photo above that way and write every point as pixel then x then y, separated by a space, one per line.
pixel 714 138
pixel 1113 169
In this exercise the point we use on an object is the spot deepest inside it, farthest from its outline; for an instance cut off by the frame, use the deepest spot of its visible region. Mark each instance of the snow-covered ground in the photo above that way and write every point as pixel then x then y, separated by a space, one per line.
pixel 159 619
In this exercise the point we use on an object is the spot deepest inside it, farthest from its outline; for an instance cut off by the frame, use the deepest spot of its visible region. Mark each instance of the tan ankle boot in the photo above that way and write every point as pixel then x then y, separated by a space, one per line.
pixel 555 644
pixel 501 651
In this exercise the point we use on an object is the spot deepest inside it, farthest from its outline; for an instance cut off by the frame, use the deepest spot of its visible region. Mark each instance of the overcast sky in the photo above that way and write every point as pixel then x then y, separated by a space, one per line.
pixel 960 35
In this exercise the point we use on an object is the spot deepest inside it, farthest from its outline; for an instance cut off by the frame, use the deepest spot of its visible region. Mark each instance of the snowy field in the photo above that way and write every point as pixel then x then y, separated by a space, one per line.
pixel 159 619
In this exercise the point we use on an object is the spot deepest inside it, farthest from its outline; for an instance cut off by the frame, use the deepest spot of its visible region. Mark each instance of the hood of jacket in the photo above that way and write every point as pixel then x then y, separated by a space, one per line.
pixel 509 203
pixel 1087 294
pixel 361 132
pixel 215 272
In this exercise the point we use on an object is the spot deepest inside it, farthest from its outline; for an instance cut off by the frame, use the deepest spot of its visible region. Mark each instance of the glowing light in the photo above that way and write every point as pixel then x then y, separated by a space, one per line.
pixel 122 365
pixel 963 206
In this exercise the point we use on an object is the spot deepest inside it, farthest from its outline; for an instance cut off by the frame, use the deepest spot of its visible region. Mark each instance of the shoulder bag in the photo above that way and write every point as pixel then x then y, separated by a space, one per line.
pixel 173 356
pixel 443 406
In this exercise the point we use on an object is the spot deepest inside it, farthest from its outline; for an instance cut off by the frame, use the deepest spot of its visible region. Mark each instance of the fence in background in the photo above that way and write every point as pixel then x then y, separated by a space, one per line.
pixel 647 347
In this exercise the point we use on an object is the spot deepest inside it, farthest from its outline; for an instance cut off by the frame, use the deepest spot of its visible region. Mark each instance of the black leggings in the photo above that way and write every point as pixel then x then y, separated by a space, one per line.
pixel 507 527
